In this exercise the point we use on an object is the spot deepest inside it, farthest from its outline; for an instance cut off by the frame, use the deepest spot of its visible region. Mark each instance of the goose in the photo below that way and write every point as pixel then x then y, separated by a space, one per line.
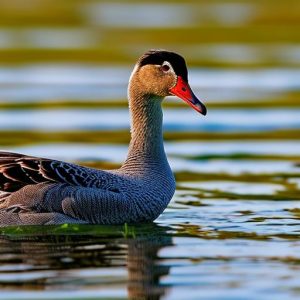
pixel 41 191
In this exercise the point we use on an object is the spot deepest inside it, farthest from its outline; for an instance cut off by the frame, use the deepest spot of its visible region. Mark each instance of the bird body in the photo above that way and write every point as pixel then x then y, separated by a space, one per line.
pixel 43 191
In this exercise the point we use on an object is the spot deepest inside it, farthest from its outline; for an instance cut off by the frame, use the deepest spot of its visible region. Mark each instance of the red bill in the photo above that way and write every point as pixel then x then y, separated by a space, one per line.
pixel 183 91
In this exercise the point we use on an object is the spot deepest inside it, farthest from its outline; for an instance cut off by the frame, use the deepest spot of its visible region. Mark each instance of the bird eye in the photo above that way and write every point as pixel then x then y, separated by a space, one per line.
pixel 165 68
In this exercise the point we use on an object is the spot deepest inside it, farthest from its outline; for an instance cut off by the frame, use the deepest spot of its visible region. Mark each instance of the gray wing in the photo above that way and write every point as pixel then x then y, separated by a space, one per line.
pixel 17 171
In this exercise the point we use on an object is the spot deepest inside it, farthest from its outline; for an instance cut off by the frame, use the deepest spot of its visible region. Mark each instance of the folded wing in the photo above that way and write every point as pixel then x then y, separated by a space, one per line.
pixel 17 171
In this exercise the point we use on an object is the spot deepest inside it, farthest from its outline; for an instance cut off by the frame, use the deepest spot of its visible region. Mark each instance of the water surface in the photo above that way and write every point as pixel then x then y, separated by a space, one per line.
pixel 232 229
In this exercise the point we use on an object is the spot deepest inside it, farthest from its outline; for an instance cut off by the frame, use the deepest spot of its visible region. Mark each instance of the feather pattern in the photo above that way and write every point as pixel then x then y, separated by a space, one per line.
pixel 17 170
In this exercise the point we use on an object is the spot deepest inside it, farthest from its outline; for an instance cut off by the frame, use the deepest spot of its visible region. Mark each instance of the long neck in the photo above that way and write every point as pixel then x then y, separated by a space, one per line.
pixel 146 146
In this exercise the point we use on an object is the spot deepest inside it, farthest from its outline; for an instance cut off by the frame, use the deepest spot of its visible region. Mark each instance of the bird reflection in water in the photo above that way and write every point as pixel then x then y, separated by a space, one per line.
pixel 39 263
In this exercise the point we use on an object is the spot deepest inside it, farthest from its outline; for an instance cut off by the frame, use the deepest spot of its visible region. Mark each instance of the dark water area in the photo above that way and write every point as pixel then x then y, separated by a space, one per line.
pixel 232 229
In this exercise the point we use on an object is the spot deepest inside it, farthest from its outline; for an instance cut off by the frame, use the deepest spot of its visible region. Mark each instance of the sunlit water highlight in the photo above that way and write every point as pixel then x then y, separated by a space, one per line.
pixel 174 119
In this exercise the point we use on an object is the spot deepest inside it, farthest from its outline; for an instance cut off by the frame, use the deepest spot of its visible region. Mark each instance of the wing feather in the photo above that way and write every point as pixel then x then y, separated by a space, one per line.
pixel 18 170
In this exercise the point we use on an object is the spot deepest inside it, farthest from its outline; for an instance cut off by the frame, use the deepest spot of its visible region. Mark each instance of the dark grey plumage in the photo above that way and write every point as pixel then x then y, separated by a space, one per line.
pixel 43 191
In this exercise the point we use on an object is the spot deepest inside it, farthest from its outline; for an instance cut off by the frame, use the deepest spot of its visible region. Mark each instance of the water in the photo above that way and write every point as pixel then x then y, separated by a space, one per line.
pixel 232 229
